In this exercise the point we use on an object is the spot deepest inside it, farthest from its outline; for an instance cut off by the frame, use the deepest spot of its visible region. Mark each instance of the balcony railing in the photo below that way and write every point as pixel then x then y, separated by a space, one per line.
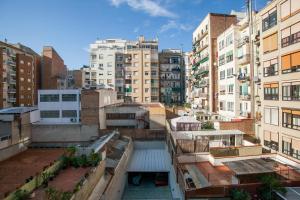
pixel 244 59
pixel 245 97
pixel 243 77
pixel 271 96
pixel 243 41
pixel 289 40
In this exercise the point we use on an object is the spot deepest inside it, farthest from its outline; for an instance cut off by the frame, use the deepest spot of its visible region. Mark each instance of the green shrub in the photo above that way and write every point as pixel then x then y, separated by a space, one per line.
pixel 208 125
pixel 237 194
pixel 21 195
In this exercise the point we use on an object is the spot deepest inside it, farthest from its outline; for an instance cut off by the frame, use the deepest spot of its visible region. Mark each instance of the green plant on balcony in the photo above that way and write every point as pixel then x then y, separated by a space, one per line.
pixel 208 126
pixel 21 195
pixel 270 184
pixel 239 194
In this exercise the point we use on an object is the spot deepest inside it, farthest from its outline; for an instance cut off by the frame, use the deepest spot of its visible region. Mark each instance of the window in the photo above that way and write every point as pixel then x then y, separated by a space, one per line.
pixel 153 73
pixel 288 8
pixel 146 73
pixel 221 45
pixel 69 97
pixel 222 89
pixel 135 73
pixel 270 43
pixel 147 64
pixel 100 56
pixel 147 56
pixel 269 19
pixel 174 60
pixel 291 119
pixel 147 99
pixel 109 73
pixel 135 81
pixel 295 150
pixel 230 89
pixel 240 52
pixel 229 56
pixel 271 91
pixel 229 72
pixel 286 145
pixel 291 91
pixel 290 35
pixel 290 63
pixel 93 57
pixel 135 90
pixel 146 90
pixel 222 74
pixel 271 140
pixel 147 81
pixel 222 60
pixel 109 81
pixel 271 115
pixel 49 98
pixel 109 64
pixel 69 113
pixel 270 67
pixel 222 105
pixel 49 113
pixel 229 40
pixel 120 116
pixel 135 56
pixel 230 106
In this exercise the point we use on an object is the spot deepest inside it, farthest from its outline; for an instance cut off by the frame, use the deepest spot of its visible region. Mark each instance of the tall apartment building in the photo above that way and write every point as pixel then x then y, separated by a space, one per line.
pixel 204 70
pixel 103 59
pixel 228 70
pixel 278 43
pixel 54 71
pixel 187 68
pixel 172 79
pixel 141 71
pixel 19 78
pixel 235 71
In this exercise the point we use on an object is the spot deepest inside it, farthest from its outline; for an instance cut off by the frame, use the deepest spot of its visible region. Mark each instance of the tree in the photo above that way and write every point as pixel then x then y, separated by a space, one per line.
pixel 270 184
pixel 237 194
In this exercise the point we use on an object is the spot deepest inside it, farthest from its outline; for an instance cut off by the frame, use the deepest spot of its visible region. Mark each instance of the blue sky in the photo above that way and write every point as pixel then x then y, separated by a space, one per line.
pixel 71 25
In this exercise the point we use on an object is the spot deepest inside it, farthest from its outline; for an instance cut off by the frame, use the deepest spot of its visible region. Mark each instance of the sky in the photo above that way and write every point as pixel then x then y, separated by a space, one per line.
pixel 71 25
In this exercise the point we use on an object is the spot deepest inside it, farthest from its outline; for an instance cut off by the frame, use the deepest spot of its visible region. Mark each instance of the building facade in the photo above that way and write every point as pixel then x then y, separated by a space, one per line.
pixel 228 93
pixel 204 70
pixel 75 79
pixel 187 68
pixel 103 63
pixel 19 75
pixel 172 80
pixel 54 71
pixel 141 71
pixel 59 106
pixel 278 42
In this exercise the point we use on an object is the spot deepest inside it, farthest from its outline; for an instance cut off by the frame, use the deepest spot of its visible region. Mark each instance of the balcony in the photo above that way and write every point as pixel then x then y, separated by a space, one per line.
pixel 245 59
pixel 200 38
pixel 242 41
pixel 271 97
pixel 11 90
pixel 271 70
pixel 11 99
pixel 243 77
pixel 289 40
pixel 245 97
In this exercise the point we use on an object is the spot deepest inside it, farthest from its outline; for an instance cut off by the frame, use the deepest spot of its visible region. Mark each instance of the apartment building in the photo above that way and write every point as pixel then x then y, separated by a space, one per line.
pixel 141 71
pixel 228 92
pixel 172 79
pixel 279 47
pixel 75 79
pixel 103 63
pixel 54 71
pixel 19 67
pixel 204 70
pixel 187 72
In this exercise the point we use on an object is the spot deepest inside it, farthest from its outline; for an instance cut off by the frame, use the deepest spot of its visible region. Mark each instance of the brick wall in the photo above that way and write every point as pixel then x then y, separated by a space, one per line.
pixel 245 125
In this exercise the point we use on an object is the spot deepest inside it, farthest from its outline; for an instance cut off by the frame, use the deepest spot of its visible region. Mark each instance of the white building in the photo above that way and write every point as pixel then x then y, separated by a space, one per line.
pixel 228 90
pixel 188 69
pixel 59 106
pixel 103 58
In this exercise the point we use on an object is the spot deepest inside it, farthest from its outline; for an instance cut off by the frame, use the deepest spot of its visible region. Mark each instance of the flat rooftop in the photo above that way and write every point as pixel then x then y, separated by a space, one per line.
pixel 17 110
pixel 252 166
pixel 193 134
pixel 15 170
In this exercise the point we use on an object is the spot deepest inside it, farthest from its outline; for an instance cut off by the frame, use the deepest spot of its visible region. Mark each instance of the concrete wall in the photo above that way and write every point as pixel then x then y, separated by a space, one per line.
pixel 12 150
pixel 118 182
pixel 71 132
pixel 90 182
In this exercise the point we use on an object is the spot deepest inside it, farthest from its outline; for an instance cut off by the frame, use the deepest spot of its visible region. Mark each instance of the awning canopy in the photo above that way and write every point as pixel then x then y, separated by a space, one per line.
pixel 149 160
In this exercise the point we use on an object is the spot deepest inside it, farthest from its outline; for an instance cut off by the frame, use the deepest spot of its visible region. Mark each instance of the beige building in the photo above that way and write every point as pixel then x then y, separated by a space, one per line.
pixel 141 71
pixel 279 93
pixel 204 69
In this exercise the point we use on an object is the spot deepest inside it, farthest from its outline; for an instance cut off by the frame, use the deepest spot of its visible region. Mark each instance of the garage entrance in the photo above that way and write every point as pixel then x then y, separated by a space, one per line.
pixel 148 172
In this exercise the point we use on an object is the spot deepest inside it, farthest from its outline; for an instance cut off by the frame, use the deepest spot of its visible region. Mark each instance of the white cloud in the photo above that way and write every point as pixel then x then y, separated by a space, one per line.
pixel 172 24
pixel 136 29
pixel 150 7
